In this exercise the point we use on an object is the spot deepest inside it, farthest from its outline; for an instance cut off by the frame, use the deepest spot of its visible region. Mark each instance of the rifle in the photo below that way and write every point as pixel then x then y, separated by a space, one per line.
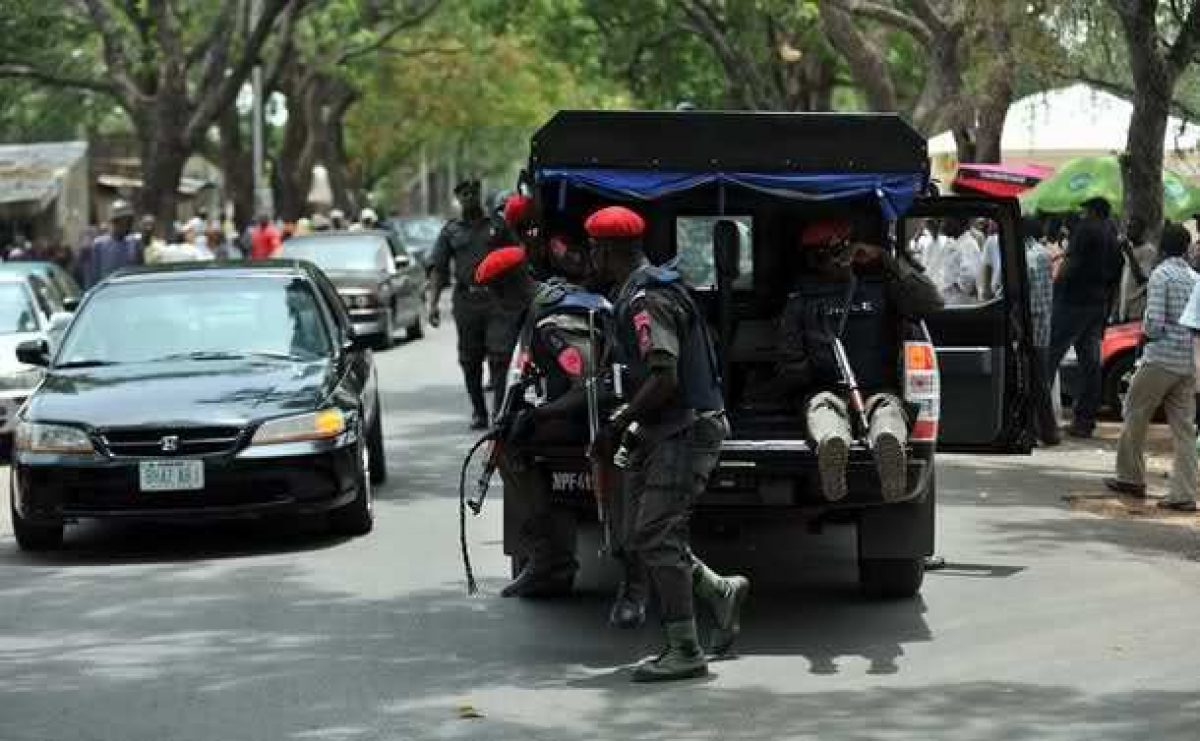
pixel 518 379
pixel 845 370
pixel 600 483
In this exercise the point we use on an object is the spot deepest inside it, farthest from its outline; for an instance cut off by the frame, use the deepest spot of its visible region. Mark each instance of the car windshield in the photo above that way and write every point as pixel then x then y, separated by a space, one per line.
pixel 363 252
pixel 16 313
pixel 421 230
pixel 212 318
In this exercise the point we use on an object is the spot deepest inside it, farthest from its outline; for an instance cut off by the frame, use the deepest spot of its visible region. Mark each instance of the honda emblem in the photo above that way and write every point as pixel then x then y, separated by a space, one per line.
pixel 169 443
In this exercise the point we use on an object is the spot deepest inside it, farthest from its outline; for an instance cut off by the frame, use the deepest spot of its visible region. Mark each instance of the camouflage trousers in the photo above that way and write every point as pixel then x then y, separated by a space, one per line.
pixel 663 481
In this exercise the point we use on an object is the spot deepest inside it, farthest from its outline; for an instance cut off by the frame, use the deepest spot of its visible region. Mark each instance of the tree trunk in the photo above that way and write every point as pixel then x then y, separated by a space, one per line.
pixel 238 167
pixel 163 160
pixel 1142 162
pixel 296 151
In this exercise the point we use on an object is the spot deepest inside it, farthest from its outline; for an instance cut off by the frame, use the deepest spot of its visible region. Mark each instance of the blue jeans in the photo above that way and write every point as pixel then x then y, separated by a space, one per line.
pixel 1082 327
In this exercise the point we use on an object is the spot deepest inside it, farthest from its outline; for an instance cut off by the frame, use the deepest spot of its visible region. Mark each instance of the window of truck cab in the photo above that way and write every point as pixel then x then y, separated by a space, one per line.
pixel 694 255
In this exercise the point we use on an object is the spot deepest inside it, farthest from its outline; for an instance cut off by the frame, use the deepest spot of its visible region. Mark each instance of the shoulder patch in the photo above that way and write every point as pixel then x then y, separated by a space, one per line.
pixel 571 361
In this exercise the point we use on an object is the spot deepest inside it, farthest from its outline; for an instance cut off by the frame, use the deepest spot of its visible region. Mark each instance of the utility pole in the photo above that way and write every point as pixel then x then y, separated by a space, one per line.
pixel 262 194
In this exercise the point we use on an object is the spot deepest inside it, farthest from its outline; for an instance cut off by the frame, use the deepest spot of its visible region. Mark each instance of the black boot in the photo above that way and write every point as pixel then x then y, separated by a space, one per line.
pixel 539 581
pixel 629 608
pixel 473 377
pixel 724 596
pixel 682 658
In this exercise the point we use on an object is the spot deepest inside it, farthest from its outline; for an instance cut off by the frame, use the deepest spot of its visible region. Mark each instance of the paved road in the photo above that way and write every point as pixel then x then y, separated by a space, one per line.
pixel 1047 625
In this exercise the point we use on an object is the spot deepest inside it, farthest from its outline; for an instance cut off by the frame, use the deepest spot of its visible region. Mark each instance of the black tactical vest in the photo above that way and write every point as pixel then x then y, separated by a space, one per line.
pixel 699 377
pixel 555 298
pixel 816 311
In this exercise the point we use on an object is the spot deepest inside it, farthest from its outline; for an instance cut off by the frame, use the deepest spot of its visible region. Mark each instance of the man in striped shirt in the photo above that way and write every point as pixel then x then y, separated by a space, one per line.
pixel 1165 376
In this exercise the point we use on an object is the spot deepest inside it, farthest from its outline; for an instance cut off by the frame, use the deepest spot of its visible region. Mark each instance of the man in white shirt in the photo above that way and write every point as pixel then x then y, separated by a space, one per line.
pixel 960 264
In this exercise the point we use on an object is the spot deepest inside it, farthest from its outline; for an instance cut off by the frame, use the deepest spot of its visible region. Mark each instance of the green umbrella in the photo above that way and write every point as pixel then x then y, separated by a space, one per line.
pixel 1086 178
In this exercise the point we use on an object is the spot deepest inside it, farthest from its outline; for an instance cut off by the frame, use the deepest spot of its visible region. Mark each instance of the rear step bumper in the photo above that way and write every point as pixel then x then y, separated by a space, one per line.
pixel 765 473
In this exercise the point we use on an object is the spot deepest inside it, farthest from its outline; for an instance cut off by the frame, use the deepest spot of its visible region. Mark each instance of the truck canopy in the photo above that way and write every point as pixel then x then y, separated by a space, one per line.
pixel 646 156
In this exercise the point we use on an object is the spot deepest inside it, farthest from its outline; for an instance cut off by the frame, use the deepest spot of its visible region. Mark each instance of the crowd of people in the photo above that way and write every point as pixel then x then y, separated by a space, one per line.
pixel 1085 274
pixel 126 241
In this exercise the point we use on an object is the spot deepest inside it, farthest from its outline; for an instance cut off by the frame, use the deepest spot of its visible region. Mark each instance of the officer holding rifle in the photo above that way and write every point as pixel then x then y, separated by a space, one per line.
pixel 563 335
pixel 672 430
pixel 815 371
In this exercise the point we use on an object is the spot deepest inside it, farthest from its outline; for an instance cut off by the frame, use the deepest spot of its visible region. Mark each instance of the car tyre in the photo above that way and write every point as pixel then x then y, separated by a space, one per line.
pixel 357 517
pixel 34 537
pixel 891 578
pixel 416 330
pixel 387 338
pixel 375 448
pixel 1115 380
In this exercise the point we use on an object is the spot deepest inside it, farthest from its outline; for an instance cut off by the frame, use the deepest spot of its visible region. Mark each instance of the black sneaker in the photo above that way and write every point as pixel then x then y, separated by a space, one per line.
pixel 1176 506
pixel 1137 491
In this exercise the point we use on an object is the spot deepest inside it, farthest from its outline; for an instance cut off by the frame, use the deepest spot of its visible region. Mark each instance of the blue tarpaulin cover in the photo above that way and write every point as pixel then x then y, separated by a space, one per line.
pixel 894 191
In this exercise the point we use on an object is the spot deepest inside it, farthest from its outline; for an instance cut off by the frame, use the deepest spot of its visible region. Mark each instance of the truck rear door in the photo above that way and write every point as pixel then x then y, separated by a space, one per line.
pixel 984 342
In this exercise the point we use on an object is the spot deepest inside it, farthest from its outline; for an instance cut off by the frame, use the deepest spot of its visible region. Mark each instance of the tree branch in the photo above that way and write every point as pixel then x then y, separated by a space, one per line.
pixel 1187 43
pixel 1122 90
pixel 863 56
pixel 53 79
pixel 890 16
pixel 406 21
pixel 212 100
pixel 115 58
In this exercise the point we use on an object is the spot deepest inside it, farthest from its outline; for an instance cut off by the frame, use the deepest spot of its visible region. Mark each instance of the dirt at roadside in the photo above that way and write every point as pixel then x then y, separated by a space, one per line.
pixel 1158 467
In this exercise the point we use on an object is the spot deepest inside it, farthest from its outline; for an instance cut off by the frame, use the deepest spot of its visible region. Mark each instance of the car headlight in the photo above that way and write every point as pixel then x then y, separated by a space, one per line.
pixel 35 437
pixel 323 425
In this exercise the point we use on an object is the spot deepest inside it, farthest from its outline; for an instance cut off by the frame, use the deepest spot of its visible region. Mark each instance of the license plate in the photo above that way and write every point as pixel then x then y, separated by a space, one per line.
pixel 171 475
pixel 570 482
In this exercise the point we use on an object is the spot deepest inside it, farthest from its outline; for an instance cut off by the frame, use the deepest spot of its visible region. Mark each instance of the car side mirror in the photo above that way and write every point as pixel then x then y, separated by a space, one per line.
pixel 353 342
pixel 727 250
pixel 34 352
pixel 403 261
pixel 71 303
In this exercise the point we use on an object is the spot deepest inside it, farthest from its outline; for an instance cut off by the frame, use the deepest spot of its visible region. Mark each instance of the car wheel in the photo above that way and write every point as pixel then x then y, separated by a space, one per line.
pixel 416 330
pixel 34 537
pixel 387 338
pixel 375 446
pixel 891 578
pixel 357 517
pixel 1116 384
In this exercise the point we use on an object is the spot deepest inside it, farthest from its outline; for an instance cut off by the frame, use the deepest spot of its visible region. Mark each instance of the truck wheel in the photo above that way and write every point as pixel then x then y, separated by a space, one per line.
pixel 891 578
pixel 34 537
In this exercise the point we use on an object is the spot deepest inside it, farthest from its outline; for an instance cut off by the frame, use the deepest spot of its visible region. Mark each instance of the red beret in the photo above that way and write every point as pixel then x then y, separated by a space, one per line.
pixel 518 209
pixel 498 263
pixel 615 222
pixel 825 232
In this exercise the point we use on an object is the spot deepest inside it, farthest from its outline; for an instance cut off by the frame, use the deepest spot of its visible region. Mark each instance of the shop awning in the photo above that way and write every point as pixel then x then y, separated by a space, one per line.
pixel 1002 181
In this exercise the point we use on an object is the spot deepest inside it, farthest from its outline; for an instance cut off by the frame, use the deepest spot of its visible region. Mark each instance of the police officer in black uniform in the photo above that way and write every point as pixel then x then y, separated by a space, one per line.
pixel 483 331
pixel 562 343
pixel 673 425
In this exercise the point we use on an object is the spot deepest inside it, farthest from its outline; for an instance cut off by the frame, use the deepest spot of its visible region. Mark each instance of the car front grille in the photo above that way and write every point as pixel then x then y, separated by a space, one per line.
pixel 165 442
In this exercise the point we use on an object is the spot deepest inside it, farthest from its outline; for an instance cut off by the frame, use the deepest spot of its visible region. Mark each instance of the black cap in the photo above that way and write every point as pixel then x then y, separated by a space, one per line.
pixel 467 186
pixel 1099 206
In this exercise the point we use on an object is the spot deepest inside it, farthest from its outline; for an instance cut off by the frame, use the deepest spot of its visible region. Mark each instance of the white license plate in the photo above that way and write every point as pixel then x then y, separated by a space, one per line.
pixel 171 475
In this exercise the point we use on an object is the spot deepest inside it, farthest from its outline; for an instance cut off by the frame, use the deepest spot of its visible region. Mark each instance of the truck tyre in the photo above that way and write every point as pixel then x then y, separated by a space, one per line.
pixel 891 578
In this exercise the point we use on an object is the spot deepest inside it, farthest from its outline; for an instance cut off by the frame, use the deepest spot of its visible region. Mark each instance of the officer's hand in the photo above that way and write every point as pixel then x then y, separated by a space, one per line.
pixel 522 427
pixel 867 254
pixel 435 316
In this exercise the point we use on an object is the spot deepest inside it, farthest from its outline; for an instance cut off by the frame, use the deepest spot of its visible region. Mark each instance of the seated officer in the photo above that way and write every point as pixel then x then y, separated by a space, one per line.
pixel 827 294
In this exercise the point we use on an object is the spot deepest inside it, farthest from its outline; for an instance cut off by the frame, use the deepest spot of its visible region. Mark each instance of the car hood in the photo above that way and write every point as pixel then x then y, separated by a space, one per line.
pixel 184 393
pixel 367 279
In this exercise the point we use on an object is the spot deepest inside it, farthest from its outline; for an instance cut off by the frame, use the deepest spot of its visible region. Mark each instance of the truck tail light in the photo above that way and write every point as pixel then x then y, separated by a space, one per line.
pixel 922 387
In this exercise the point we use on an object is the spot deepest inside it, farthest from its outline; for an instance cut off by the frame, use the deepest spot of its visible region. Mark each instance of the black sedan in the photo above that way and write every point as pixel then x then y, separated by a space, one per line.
pixel 200 391
pixel 382 286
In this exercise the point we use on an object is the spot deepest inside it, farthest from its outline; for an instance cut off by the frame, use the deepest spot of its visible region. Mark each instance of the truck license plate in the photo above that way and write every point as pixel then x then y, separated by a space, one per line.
pixel 171 475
